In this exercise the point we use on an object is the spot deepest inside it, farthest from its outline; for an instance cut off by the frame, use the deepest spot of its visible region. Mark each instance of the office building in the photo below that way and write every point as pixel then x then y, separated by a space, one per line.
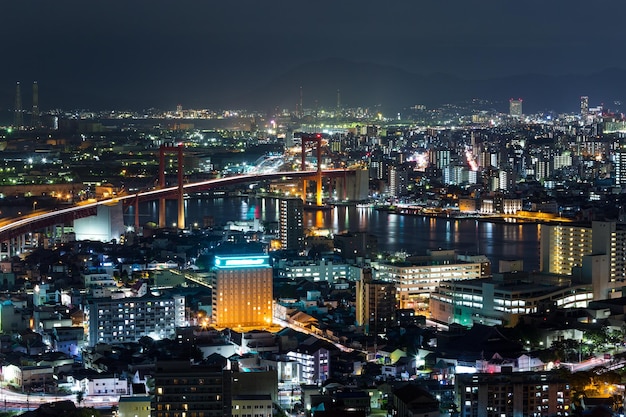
pixel 316 270
pixel 418 276
pixel 291 226
pixel 515 108
pixel 375 304
pixel 242 291
pixel 515 394
pixel 111 320
pixel 107 225
pixel 501 300
pixel 183 389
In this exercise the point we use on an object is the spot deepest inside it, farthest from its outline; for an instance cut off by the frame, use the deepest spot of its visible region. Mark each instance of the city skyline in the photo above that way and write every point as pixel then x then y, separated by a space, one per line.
pixel 221 54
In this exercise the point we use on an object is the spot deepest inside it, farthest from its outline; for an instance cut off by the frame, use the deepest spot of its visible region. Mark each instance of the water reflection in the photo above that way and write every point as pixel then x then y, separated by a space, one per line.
pixel 395 233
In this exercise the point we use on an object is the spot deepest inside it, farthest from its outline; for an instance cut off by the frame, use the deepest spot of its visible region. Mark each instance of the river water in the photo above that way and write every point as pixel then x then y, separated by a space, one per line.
pixel 412 234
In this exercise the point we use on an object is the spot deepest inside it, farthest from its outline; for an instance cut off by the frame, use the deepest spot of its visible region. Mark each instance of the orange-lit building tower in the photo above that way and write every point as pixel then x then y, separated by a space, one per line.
pixel 242 291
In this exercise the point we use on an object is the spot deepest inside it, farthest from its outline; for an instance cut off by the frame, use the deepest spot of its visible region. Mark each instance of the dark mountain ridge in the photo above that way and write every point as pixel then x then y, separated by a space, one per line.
pixel 365 84
pixel 360 84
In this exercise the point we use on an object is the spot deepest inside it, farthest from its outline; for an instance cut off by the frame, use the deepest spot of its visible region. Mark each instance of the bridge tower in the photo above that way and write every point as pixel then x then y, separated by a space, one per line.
pixel 163 150
pixel 317 138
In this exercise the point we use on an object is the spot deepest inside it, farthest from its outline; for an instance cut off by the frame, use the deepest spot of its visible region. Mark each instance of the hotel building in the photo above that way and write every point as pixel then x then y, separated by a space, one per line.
pixel 242 291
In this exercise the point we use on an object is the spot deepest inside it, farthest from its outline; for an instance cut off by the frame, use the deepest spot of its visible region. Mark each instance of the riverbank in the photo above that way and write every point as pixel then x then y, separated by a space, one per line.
pixel 519 217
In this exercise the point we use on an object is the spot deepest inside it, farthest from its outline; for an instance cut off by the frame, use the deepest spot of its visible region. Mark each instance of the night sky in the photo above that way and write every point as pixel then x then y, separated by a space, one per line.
pixel 206 53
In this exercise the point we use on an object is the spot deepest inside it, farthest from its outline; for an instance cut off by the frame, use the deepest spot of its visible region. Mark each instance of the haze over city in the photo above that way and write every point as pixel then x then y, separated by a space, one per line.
pixel 141 54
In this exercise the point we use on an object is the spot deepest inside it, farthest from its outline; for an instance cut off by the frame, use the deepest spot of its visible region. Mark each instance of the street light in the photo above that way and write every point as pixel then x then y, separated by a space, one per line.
pixel 34 205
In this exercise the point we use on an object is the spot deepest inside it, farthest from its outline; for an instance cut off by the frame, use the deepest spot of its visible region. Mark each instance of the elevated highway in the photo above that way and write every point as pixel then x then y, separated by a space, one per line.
pixel 12 228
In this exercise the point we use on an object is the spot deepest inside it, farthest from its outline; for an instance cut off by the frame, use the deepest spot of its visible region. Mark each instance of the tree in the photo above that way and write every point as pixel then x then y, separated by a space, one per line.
pixel 80 397
pixel 566 350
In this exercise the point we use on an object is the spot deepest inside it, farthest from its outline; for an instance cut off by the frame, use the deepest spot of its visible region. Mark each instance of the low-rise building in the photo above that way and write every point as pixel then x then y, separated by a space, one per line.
pixel 317 270
pixel 251 405
pixel 412 400
pixel 313 355
pixel 134 406
pixel 103 385
pixel 29 378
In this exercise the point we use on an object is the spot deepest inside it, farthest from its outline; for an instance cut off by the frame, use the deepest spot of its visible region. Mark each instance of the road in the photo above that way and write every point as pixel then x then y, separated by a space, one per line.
pixel 12 400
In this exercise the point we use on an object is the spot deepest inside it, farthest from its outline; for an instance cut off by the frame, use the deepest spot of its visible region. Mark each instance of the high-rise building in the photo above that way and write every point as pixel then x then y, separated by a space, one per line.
pixel 543 167
pixel 398 181
pixel 35 116
pixel 515 108
pixel 597 251
pixel 441 158
pixel 291 224
pixel 584 107
pixel 562 160
pixel 375 304
pixel 242 291
pixel 18 116
pixel 562 247
pixel 620 166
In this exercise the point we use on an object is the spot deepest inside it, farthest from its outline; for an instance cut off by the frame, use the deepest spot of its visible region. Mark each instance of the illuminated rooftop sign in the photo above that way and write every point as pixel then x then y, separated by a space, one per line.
pixel 225 262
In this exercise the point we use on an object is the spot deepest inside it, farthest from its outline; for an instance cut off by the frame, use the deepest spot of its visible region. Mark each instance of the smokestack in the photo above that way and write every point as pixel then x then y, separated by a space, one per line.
pixel 18 116
pixel 35 120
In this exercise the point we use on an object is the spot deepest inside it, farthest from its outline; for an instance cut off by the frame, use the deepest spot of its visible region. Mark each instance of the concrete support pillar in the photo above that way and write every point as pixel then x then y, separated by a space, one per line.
pixel 162 185
pixel 181 193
